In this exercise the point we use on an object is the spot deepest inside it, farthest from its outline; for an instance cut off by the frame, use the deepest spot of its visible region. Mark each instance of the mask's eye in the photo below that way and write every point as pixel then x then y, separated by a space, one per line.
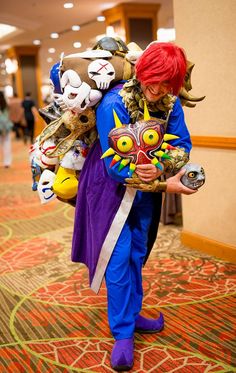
pixel 150 137
pixel 192 174
pixel 124 144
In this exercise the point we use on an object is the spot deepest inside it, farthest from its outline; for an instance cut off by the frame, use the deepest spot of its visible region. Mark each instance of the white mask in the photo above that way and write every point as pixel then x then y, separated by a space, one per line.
pixel 73 160
pixel 42 159
pixel 70 77
pixel 94 97
pixel 45 183
pixel 102 72
pixel 77 99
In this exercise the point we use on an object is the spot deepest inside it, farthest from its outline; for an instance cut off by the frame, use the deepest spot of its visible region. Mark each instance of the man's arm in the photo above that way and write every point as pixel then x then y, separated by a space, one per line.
pixel 172 185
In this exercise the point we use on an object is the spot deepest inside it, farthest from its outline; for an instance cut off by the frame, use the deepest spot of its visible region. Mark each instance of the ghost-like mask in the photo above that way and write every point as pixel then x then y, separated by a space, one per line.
pixel 102 72
pixel 194 176
pixel 77 95
pixel 45 183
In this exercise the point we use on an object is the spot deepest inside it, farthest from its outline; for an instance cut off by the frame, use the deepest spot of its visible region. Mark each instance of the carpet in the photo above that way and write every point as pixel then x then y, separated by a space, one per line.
pixel 50 320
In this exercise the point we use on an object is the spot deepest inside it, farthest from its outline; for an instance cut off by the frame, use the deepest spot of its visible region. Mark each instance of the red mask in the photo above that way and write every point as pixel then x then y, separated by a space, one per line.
pixel 137 141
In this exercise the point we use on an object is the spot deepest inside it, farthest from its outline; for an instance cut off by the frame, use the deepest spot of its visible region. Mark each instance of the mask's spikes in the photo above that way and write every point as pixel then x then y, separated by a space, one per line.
pixel 123 163
pixel 117 120
pixel 165 156
pixel 115 159
pixel 132 167
pixel 168 137
pixel 162 154
pixel 159 153
pixel 107 153
pixel 164 145
pixel 157 164
pixel 146 112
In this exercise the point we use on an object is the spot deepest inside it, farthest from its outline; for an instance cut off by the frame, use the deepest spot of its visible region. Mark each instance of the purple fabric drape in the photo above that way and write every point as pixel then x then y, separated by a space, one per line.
pixel 98 200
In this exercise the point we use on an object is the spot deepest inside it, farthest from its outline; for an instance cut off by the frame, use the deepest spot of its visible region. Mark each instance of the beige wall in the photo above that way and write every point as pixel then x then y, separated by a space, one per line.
pixel 206 29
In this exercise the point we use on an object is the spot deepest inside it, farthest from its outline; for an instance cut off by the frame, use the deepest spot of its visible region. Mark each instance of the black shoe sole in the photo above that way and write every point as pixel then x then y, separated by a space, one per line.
pixel 151 331
pixel 122 368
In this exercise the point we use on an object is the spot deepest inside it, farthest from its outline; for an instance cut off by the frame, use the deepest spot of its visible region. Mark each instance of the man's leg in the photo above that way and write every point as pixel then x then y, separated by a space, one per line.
pixel 119 287
pixel 120 307
pixel 142 218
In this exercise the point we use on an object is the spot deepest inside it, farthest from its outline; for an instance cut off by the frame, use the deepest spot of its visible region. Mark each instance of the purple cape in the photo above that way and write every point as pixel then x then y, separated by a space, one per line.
pixel 98 200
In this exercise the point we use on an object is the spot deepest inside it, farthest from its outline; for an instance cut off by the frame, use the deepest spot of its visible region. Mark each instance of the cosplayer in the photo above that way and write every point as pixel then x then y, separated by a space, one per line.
pixel 79 82
pixel 115 225
pixel 142 137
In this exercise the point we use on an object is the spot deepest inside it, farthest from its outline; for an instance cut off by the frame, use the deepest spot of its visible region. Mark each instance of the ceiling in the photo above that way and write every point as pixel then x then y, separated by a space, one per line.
pixel 37 19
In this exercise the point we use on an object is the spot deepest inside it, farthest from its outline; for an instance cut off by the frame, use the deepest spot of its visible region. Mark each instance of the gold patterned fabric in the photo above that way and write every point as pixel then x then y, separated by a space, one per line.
pixel 133 98
pixel 178 159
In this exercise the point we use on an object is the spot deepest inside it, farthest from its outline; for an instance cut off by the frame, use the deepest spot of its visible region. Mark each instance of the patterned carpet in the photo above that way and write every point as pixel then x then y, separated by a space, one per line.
pixel 50 321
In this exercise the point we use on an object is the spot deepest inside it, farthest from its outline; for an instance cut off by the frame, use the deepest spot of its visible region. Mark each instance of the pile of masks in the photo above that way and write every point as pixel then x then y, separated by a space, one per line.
pixel 79 81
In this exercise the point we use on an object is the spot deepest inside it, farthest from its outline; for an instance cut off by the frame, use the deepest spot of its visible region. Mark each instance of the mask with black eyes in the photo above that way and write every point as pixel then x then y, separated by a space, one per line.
pixel 194 176
pixel 139 143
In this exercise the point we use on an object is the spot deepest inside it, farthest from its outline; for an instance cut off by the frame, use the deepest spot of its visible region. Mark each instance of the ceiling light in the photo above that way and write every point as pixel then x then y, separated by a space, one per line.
pixel 77 44
pixel 11 65
pixel 6 29
pixel 36 42
pixel 51 50
pixel 54 35
pixel 101 18
pixel 49 59
pixel 75 27
pixel 68 5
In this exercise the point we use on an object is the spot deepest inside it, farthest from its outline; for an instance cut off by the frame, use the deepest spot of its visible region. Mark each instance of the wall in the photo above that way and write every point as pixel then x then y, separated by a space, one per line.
pixel 206 30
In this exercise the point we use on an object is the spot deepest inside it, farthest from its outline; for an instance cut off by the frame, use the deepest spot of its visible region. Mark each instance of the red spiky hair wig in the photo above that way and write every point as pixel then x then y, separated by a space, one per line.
pixel 162 62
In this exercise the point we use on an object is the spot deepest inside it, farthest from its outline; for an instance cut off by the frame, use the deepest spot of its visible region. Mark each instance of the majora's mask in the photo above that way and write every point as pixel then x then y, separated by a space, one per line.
pixel 138 143
pixel 194 176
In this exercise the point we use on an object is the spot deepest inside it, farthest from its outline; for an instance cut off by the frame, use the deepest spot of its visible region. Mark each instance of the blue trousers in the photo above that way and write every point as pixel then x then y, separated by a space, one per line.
pixel 124 271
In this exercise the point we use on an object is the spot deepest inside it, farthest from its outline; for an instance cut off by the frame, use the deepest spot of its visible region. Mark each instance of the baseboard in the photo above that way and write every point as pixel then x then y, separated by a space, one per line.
pixel 214 142
pixel 219 249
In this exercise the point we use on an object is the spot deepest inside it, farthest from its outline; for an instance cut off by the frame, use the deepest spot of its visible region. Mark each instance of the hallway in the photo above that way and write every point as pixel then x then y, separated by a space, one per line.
pixel 50 321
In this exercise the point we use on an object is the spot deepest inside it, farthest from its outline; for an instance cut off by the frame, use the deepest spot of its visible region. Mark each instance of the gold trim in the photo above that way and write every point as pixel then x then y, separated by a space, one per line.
pixel 207 245
pixel 214 142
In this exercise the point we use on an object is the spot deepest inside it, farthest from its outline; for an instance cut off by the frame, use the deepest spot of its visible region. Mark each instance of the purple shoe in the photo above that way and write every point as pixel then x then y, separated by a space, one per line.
pixel 149 326
pixel 122 356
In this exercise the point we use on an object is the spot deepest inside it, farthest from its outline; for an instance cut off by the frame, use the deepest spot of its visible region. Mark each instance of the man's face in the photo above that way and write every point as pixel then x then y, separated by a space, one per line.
pixel 154 92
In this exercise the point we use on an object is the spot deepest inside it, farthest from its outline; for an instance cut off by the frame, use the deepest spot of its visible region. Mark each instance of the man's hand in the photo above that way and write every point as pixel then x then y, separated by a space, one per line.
pixel 174 184
pixel 148 172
